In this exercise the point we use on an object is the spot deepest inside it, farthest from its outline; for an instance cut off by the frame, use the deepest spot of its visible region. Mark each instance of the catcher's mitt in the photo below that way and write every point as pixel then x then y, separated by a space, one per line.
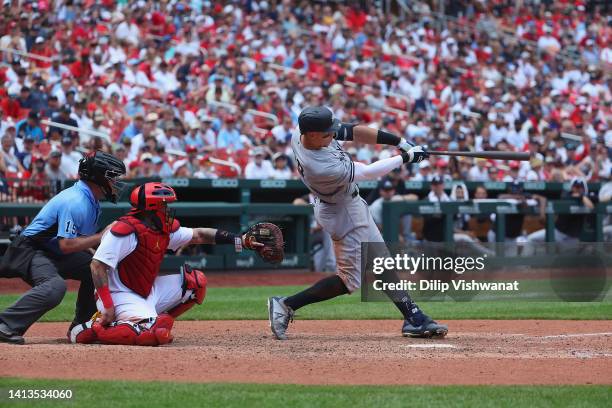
pixel 271 237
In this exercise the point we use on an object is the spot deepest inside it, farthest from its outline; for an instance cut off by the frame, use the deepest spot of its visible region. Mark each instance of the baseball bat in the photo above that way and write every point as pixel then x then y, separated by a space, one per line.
pixel 497 155
pixel 213 160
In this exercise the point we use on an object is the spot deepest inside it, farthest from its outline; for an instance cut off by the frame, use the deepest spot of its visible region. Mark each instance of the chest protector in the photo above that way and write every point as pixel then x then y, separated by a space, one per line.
pixel 139 269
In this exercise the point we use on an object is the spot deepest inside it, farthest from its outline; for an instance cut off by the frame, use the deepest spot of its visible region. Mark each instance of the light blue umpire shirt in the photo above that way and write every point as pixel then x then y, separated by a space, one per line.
pixel 72 213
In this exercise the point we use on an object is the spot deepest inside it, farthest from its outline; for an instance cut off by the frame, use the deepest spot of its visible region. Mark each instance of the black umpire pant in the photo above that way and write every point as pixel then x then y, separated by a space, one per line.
pixel 46 273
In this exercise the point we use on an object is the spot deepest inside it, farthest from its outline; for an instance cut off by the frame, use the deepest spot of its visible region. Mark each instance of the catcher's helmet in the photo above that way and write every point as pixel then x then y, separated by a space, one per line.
pixel 103 169
pixel 152 196
pixel 155 197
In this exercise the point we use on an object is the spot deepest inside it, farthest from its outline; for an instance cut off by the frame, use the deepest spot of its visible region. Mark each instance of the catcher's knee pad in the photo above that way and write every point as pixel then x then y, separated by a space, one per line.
pixel 82 333
pixel 195 281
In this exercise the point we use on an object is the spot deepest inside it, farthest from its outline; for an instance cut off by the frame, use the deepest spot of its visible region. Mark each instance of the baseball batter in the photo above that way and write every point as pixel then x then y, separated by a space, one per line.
pixel 330 174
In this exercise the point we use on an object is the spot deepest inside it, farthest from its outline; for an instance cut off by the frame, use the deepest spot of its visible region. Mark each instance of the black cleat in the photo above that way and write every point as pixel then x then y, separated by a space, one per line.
pixel 8 337
pixel 427 329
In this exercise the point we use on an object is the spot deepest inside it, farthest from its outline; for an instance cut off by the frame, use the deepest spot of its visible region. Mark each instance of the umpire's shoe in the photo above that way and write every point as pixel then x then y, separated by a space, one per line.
pixel 423 326
pixel 280 315
pixel 7 336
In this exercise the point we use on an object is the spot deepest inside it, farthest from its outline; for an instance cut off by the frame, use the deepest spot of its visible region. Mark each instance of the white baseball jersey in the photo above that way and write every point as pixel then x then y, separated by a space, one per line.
pixel 166 292
pixel 329 174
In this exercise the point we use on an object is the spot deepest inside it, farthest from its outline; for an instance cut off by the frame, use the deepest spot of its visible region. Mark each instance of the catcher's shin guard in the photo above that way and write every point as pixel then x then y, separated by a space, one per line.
pixel 137 334
pixel 82 333
pixel 194 280
pixel 120 332
pixel 158 334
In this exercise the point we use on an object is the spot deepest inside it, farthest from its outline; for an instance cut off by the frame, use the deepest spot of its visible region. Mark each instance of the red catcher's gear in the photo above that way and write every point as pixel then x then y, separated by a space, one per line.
pixel 136 334
pixel 82 333
pixel 193 280
pixel 139 269
pixel 154 197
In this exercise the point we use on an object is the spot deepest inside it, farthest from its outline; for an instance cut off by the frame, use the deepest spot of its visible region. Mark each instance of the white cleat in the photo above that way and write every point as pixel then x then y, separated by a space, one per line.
pixel 280 315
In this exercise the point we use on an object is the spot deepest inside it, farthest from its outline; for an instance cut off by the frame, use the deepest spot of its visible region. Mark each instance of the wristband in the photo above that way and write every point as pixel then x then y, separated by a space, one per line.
pixel 225 237
pixel 345 132
pixel 405 157
pixel 383 137
pixel 105 297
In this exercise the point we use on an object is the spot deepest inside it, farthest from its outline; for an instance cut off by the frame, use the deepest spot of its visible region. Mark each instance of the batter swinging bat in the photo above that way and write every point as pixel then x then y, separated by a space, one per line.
pixel 498 155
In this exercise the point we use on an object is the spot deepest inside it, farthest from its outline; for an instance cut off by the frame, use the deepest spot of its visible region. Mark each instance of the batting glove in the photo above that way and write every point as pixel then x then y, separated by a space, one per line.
pixel 405 145
pixel 415 155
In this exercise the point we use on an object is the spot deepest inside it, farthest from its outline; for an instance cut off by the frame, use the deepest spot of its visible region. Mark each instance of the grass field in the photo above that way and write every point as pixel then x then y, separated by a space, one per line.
pixel 158 394
pixel 249 303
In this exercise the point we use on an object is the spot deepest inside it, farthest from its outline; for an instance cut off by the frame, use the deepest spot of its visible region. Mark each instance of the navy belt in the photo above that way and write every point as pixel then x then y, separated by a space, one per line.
pixel 353 195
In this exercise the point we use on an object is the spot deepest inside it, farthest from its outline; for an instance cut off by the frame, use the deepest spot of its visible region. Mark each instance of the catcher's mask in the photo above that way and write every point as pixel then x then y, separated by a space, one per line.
pixel 154 197
pixel 104 170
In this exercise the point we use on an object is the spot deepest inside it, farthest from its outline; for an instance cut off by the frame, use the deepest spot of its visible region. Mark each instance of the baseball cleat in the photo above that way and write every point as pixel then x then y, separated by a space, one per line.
pixel 428 328
pixel 280 315
pixel 6 336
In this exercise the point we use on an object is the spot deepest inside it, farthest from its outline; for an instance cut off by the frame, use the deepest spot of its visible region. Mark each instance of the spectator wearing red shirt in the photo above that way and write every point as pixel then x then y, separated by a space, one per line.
pixel 332 47
pixel 10 106
pixel 356 18
pixel 42 49
pixel 81 69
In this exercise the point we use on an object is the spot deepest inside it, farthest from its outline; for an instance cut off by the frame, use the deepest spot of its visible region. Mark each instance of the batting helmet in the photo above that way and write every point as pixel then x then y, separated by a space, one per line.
pixel 103 170
pixel 317 119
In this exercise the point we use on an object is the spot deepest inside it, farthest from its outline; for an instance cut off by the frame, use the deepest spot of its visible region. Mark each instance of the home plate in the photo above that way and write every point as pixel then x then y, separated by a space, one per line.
pixel 428 346
pixel 563 336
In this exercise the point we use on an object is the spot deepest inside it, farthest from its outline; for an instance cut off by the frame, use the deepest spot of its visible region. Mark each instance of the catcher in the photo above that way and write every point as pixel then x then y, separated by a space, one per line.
pixel 136 305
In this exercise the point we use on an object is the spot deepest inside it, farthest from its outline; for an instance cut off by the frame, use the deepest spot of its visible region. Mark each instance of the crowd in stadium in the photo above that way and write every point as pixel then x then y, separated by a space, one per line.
pixel 166 86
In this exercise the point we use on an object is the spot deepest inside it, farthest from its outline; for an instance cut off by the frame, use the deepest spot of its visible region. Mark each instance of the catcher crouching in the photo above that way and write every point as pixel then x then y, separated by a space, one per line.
pixel 136 305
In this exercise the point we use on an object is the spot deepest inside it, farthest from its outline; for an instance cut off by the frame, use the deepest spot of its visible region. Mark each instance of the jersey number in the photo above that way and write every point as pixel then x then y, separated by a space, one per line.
pixel 70 228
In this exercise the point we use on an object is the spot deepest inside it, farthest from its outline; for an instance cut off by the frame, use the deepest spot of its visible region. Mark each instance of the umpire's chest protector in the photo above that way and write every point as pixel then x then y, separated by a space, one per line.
pixel 139 269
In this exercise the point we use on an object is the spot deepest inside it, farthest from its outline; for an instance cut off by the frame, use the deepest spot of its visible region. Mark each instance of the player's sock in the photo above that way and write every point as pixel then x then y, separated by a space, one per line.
pixel 402 300
pixel 324 289
pixel 409 309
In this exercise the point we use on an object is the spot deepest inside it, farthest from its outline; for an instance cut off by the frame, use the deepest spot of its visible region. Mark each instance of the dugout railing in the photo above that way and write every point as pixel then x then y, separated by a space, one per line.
pixel 258 191
pixel 254 191
pixel 295 222
pixel 394 210
pixel 262 191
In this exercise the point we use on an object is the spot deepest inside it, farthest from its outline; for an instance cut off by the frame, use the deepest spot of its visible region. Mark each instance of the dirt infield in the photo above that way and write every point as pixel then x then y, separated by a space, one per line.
pixel 333 352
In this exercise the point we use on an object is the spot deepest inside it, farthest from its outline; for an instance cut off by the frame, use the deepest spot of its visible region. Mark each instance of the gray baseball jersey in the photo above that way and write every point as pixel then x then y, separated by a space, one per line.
pixel 329 173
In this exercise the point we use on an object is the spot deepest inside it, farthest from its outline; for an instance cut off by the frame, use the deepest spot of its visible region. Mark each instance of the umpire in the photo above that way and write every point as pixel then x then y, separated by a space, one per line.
pixel 55 247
